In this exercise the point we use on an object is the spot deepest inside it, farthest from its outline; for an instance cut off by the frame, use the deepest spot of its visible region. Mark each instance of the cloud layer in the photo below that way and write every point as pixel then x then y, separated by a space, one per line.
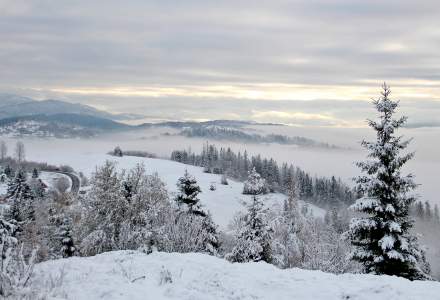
pixel 201 52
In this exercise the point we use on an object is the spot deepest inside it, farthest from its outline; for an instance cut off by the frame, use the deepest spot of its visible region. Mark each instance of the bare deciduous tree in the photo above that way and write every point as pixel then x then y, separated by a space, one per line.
pixel 3 150
pixel 20 154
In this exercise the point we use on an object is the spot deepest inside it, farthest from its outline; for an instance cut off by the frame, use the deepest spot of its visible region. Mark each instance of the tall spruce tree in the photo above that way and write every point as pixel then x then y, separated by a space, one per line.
pixel 21 198
pixel 381 239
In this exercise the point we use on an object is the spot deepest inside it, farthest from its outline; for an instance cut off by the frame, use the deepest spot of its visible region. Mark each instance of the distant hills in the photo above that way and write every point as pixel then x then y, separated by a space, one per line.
pixel 58 125
pixel 22 116
pixel 8 99
pixel 15 106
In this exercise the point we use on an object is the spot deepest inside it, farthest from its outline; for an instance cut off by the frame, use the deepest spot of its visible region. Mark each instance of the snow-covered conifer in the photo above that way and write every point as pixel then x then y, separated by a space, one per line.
pixel 20 195
pixel 382 239
pixel 224 179
pixel 65 232
pixel 105 210
pixel 287 227
pixel 15 269
pixel 3 150
pixel 8 171
pixel 188 193
pixel 148 201
pixel 254 238
pixel 255 185
pixel 35 173
pixel 190 210
pixel 118 152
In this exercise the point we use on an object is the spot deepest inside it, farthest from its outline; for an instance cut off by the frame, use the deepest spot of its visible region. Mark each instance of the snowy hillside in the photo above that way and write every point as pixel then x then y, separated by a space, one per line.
pixel 133 275
pixel 223 203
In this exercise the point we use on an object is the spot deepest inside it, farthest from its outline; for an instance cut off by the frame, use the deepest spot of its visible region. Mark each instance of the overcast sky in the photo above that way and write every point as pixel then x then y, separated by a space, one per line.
pixel 301 62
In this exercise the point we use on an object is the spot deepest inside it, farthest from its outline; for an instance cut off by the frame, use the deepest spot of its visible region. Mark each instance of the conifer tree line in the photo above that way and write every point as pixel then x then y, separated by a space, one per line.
pixel 233 134
pixel 322 191
pixel 423 211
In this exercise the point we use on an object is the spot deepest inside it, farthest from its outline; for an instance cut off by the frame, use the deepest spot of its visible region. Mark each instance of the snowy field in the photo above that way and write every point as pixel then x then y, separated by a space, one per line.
pixel 134 275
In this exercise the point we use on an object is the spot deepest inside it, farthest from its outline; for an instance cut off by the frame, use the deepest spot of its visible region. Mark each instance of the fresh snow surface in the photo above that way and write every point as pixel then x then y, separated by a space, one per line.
pixel 3 189
pixel 134 275
pixel 51 178
pixel 223 203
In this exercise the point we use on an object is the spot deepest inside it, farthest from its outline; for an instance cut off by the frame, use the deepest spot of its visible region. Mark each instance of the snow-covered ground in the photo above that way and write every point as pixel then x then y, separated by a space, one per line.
pixel 134 275
pixel 51 178
pixel 223 203
pixel 3 189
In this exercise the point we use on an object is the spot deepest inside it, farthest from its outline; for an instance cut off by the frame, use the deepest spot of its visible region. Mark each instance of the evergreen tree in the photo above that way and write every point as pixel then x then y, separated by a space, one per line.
pixel 428 211
pixel 68 247
pixel 382 240
pixel 15 186
pixel 188 194
pixel 118 152
pixel 59 231
pixel 210 238
pixel 436 214
pixel 254 185
pixel 7 244
pixel 35 173
pixel 3 177
pixel 287 246
pixel 420 211
pixel 254 238
pixel 15 269
pixel 105 211
pixel 224 180
pixel 20 195
pixel 3 150
pixel 8 171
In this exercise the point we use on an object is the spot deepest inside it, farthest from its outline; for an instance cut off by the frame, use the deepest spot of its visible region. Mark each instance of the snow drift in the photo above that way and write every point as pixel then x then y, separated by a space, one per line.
pixel 134 275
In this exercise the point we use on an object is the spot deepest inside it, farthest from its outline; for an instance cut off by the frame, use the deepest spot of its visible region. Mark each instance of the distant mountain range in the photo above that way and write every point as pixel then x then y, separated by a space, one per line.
pixel 17 106
pixel 22 116
pixel 58 125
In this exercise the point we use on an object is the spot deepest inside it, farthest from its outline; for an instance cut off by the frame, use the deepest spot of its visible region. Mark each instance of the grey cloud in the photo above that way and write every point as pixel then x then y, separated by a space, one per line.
pixel 145 42
pixel 139 43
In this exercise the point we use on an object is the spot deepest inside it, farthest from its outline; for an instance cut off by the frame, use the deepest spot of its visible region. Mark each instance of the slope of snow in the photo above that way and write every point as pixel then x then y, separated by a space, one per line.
pixel 134 275
pixel 223 203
